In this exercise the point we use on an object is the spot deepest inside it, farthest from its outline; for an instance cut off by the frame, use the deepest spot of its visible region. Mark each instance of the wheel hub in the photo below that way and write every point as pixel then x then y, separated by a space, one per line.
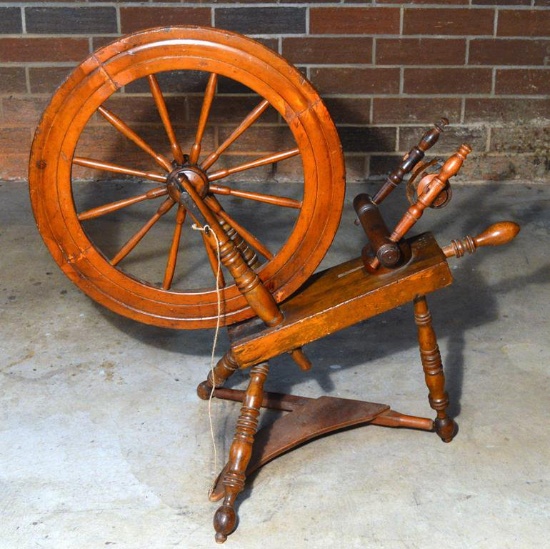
pixel 195 176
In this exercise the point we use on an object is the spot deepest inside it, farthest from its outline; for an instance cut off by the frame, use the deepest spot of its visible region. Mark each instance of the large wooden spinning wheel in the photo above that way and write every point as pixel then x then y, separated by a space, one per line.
pixel 151 108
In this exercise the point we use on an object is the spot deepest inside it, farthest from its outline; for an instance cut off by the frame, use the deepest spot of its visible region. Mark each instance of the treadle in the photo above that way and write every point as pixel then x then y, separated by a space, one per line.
pixel 340 297
pixel 308 419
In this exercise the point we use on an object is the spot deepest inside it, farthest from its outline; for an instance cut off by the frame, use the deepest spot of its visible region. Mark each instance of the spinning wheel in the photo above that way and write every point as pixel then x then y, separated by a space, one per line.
pixel 98 231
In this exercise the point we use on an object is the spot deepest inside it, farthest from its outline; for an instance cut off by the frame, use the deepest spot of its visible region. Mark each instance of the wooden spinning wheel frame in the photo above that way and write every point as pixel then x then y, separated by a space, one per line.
pixel 185 182
pixel 99 269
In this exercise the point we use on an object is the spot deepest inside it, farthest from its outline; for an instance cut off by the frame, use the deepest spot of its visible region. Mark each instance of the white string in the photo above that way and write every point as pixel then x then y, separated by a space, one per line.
pixel 207 230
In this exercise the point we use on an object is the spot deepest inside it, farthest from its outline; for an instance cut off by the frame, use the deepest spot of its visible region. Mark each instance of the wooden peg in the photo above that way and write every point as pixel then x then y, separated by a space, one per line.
pixel 380 245
pixel 434 184
pixel 410 160
pixel 494 235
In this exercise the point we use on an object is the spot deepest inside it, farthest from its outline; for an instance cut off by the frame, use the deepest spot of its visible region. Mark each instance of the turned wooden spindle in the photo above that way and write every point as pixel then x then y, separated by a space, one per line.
pixel 249 255
pixel 494 235
pixel 380 246
pixel 246 279
pixel 433 185
pixel 377 232
pixel 234 475
pixel 224 369
pixel 410 160
pixel 430 356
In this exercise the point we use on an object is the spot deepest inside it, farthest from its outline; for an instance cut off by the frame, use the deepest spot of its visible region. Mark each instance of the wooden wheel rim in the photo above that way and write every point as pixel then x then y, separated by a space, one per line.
pixel 185 48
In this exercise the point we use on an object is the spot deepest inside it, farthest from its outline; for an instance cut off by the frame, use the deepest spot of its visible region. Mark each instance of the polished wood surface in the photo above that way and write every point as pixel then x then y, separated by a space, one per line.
pixel 253 289
pixel 94 92
pixel 332 300
pixel 495 235
pixel 433 369
pixel 410 160
pixel 340 297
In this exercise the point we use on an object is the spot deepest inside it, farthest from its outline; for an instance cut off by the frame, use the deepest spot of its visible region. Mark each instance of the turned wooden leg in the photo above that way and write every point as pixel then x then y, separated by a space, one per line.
pixel 234 477
pixel 433 369
pixel 224 369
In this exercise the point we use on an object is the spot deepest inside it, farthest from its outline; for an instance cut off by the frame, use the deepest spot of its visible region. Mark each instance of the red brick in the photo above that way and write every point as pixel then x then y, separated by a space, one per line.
pixel 70 20
pixel 230 110
pixel 47 79
pixel 451 139
pixel 506 110
pixel 271 43
pixel 356 81
pixel 356 165
pixel 420 51
pixel 448 22
pixel 368 20
pixel 141 110
pixel 521 139
pixel 13 166
pixel 23 111
pixel 15 140
pixel 260 138
pixel 367 139
pixel 262 20
pixel 10 21
pixel 103 142
pixel 501 2
pixel 100 41
pixel 523 23
pixel 12 80
pixel 505 167
pixel 447 81
pixel 413 110
pixel 322 51
pixel 444 2
pixel 174 82
pixel 23 50
pixel 523 81
pixel 508 52
pixel 288 171
pixel 349 110
pixel 139 18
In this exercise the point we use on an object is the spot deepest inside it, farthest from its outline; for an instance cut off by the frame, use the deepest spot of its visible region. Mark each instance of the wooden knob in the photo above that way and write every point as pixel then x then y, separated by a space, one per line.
pixel 454 163
pixel 497 234
pixel 494 235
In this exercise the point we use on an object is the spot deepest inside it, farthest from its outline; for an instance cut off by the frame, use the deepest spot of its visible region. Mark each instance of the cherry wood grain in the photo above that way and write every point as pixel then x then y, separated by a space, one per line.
pixel 94 91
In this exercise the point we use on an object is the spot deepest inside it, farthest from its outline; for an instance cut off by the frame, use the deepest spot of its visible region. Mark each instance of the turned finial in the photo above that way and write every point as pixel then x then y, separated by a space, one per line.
pixel 495 235
pixel 410 160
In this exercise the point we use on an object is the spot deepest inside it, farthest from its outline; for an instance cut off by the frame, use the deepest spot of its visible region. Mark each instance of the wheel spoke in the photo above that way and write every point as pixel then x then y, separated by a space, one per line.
pixel 173 254
pixel 165 117
pixel 243 126
pixel 135 240
pixel 203 119
pixel 247 236
pixel 120 204
pixel 125 130
pixel 115 168
pixel 282 201
pixel 263 161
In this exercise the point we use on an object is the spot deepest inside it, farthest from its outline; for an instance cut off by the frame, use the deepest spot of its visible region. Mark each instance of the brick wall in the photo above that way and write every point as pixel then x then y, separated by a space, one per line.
pixel 386 70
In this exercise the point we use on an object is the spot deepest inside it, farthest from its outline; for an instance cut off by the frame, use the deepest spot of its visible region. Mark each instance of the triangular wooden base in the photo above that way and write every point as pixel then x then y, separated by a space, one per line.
pixel 307 419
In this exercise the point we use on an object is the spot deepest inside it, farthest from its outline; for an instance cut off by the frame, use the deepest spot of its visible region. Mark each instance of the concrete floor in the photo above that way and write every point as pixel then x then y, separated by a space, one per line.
pixel 104 443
